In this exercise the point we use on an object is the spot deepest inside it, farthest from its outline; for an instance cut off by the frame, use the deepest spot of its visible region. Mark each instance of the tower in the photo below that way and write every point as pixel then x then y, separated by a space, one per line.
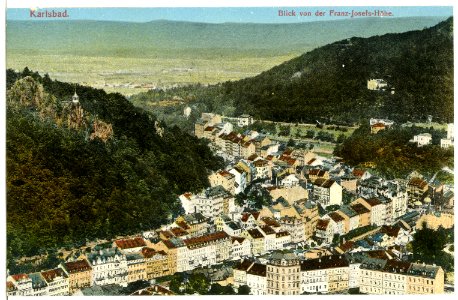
pixel 75 98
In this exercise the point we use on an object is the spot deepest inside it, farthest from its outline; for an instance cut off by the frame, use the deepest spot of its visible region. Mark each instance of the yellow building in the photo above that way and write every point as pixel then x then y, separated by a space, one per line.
pixel 257 240
pixel 223 178
pixel 157 263
pixel 79 274
pixel 172 254
pixel 136 267
pixel 392 277
pixel 425 279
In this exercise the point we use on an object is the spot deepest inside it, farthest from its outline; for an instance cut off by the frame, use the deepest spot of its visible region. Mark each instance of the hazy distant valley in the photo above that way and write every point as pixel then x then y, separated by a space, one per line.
pixel 134 57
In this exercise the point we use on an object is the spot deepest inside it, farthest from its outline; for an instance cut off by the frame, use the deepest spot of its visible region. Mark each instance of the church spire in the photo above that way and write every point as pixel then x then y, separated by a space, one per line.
pixel 75 98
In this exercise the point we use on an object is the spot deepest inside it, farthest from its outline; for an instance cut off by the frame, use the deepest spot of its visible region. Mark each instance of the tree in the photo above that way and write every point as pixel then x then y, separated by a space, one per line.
pixel 428 245
pixel 175 282
pixel 291 143
pixel 217 289
pixel 340 138
pixel 244 290
pixel 198 283
pixel 310 134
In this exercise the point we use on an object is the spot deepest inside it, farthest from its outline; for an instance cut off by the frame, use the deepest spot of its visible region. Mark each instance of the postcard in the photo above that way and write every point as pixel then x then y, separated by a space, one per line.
pixel 279 148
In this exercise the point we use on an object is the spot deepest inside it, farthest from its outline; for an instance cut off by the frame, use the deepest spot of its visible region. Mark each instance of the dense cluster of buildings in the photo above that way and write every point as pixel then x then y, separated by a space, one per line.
pixel 372 272
pixel 307 215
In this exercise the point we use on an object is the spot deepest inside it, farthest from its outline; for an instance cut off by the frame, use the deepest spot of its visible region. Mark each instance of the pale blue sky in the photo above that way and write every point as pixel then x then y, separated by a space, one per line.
pixel 224 14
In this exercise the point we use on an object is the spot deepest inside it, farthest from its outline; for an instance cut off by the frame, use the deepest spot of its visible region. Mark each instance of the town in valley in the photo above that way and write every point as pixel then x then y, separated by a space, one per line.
pixel 331 173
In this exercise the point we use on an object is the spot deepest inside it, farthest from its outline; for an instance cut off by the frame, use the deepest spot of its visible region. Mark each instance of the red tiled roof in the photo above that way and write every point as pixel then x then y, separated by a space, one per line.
pixel 380 125
pixel 252 157
pixel 50 275
pixel 188 195
pixel 183 225
pixel 392 231
pixel 225 173
pixel 167 234
pixel 336 217
pixel 288 152
pixel 200 240
pixel 270 221
pixel 358 173
pixel 178 231
pixel 77 266
pixel 311 161
pixel 19 277
pixel 209 128
pixel 325 262
pixel 260 163
pixel 255 233
pixel 322 224
pixel 347 246
pixel 238 239
pixel 373 201
pixel 130 243
pixel 359 209
pixel 418 182
pixel 148 252
pixel 267 229
pixel 10 286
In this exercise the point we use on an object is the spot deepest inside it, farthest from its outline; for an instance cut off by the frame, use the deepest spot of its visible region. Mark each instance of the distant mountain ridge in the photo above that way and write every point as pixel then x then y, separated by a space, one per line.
pixel 131 39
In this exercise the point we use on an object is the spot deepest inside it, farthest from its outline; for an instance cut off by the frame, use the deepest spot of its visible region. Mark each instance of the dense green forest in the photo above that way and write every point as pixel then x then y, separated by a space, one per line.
pixel 65 187
pixel 330 83
pixel 393 154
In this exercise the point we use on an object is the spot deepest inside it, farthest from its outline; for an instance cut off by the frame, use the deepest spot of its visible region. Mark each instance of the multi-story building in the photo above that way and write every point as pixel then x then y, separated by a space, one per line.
pixel 283 274
pixel 175 249
pixel 315 174
pixel 19 285
pixel 263 169
pixel 325 229
pixel 109 266
pixel 339 222
pixel 240 270
pixel 327 274
pixel 270 238
pixel 240 179
pixel 224 179
pixel 193 223
pixel 422 139
pixel 380 276
pixel 377 210
pixel 79 274
pixel 256 239
pixel 417 190
pixel 39 285
pixel 136 267
pixel 256 279
pixel 206 250
pixel 57 281
pixel 157 263
pixel 364 214
pixel 295 227
pixel 241 247
pixel 327 192
pixel 425 279
pixel 351 218
pixel 210 203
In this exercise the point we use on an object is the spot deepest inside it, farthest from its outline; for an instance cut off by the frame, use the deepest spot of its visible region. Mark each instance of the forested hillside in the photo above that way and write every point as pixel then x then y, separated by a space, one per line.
pixel 330 82
pixel 111 171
